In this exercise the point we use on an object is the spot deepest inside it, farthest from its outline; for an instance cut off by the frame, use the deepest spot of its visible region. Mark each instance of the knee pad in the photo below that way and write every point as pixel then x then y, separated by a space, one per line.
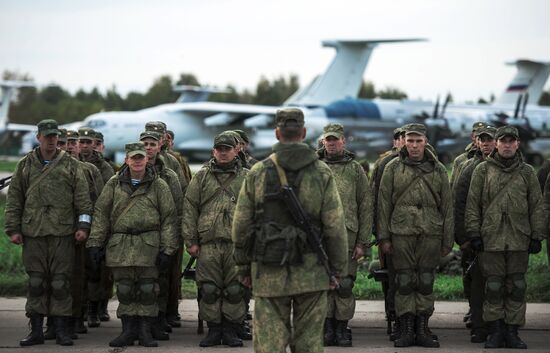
pixel 148 290
pixel 345 290
pixel 125 291
pixel 426 282
pixel 234 293
pixel 405 282
pixel 519 287
pixel 37 284
pixel 61 286
pixel 494 289
pixel 210 293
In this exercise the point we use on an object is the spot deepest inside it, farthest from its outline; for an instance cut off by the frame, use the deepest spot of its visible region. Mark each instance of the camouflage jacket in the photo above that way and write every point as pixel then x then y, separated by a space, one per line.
pixel 184 165
pixel 135 223
pixel 376 178
pixel 505 205
pixel 105 168
pixel 53 206
pixel 459 161
pixel 171 162
pixel 356 196
pixel 318 195
pixel 415 199
pixel 208 207
pixel 171 179
pixel 94 179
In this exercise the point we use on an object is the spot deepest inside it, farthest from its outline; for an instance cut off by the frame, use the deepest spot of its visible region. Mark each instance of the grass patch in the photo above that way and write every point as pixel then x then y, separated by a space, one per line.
pixel 7 166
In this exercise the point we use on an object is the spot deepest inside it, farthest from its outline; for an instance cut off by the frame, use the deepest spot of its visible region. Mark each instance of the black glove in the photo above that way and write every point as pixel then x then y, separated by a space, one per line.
pixel 163 262
pixel 96 255
pixel 476 244
pixel 535 246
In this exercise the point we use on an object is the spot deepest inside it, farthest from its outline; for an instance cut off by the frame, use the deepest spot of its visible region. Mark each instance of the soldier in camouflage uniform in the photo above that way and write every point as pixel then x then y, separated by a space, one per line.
pixel 486 144
pixel 245 142
pixel 99 147
pixel 415 225
pixel 272 251
pixel 48 208
pixel 169 147
pixel 357 199
pixel 135 221
pixel 151 140
pixel 207 216
pixel 100 282
pixel 505 222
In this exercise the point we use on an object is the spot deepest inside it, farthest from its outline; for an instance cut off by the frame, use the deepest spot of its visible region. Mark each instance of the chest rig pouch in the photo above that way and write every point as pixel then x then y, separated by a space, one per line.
pixel 279 241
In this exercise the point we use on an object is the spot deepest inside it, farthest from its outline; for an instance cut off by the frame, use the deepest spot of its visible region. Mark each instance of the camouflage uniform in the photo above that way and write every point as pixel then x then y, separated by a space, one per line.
pixel 301 283
pixel 505 211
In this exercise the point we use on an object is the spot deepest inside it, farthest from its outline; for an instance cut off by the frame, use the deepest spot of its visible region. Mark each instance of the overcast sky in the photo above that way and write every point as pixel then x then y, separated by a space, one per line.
pixel 128 43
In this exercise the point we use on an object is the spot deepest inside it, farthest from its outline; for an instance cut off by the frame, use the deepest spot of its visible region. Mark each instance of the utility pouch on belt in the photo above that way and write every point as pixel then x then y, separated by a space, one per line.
pixel 279 244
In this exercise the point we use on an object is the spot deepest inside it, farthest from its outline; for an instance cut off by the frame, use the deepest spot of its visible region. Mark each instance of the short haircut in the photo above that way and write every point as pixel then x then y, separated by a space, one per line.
pixel 291 131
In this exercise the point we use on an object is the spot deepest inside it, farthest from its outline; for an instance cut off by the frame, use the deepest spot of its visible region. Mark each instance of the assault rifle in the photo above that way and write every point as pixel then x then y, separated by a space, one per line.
pixel 313 238
pixel 5 182
pixel 189 272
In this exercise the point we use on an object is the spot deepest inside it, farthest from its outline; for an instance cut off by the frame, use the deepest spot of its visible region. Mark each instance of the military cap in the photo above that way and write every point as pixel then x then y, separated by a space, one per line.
pixel 414 128
pixel 150 134
pixel 243 135
pixel 72 135
pixel 478 125
pixel 171 133
pixel 235 135
pixel 283 116
pixel 98 136
pixel 397 132
pixel 507 130
pixel 157 126
pixel 62 134
pixel 335 130
pixel 48 127
pixel 487 130
pixel 134 148
pixel 86 133
pixel 225 139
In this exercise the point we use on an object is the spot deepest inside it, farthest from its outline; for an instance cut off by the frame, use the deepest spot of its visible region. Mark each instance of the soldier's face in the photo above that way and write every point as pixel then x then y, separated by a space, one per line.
pixel 99 146
pixel 334 145
pixel 486 144
pixel 48 143
pixel 507 146
pixel 224 154
pixel 86 146
pixel 62 145
pixel 152 147
pixel 416 144
pixel 137 163
pixel 72 147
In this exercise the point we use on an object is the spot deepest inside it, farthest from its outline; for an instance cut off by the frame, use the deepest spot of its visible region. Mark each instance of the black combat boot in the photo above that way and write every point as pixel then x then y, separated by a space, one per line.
pixel 103 312
pixel 71 321
pixel 144 332
pixel 172 320
pixel 49 334
pixel 164 326
pixel 93 318
pixel 342 338
pixel 214 336
pixel 62 337
pixel 243 331
pixel 496 334
pixel 128 335
pixel 79 326
pixel 229 334
pixel 468 318
pixel 512 339
pixel 406 338
pixel 424 337
pixel 478 335
pixel 157 330
pixel 329 334
pixel 396 330
pixel 36 336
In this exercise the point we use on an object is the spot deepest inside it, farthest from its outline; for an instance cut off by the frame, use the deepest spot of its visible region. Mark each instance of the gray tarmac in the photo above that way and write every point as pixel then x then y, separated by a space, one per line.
pixel 369 331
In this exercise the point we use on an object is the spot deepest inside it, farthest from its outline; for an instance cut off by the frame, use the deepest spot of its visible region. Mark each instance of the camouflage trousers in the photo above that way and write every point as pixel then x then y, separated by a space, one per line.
pixel 49 263
pixel 273 330
pixel 467 258
pixel 78 281
pixel 100 283
pixel 415 259
pixel 222 295
pixel 137 291
pixel 341 301
pixel 477 295
pixel 505 285
pixel 174 290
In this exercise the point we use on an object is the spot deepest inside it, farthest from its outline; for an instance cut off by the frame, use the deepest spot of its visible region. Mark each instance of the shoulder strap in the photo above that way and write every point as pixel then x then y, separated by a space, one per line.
pixel 504 190
pixel 223 187
pixel 45 171
pixel 280 170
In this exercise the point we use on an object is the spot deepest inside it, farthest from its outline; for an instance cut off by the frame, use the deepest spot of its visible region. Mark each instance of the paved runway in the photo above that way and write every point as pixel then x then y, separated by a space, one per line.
pixel 368 331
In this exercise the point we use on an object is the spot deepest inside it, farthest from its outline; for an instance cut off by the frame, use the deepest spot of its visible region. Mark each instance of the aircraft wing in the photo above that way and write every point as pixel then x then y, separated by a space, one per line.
pixel 21 127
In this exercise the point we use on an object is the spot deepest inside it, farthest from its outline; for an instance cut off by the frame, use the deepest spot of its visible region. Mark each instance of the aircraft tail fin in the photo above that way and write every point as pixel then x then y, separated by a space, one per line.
pixel 344 76
pixel 530 78
pixel 8 91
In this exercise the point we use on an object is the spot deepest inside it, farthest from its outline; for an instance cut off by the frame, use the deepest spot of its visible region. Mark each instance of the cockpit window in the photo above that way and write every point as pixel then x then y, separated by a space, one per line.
pixel 94 124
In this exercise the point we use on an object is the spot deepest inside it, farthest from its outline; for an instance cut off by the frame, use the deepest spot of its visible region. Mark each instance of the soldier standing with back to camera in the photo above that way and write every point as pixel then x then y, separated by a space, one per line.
pixel 357 200
pixel 415 216
pixel 505 222
pixel 47 210
pixel 273 252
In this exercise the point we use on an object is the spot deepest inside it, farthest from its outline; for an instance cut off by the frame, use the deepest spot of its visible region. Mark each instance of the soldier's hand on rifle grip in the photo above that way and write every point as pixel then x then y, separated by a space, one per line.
pixel 16 238
pixel 334 282
pixel 386 247
pixel 358 252
pixel 194 250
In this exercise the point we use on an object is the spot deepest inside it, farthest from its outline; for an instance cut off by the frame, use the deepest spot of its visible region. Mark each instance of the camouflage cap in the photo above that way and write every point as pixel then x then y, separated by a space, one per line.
pixel 98 136
pixel 235 135
pixel 225 139
pixel 243 135
pixel 283 116
pixel 335 130
pixel 48 127
pixel 72 135
pixel 414 128
pixel 478 125
pixel 397 133
pixel 62 134
pixel 150 134
pixel 86 133
pixel 134 148
pixel 157 126
pixel 171 133
pixel 507 130
pixel 487 130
